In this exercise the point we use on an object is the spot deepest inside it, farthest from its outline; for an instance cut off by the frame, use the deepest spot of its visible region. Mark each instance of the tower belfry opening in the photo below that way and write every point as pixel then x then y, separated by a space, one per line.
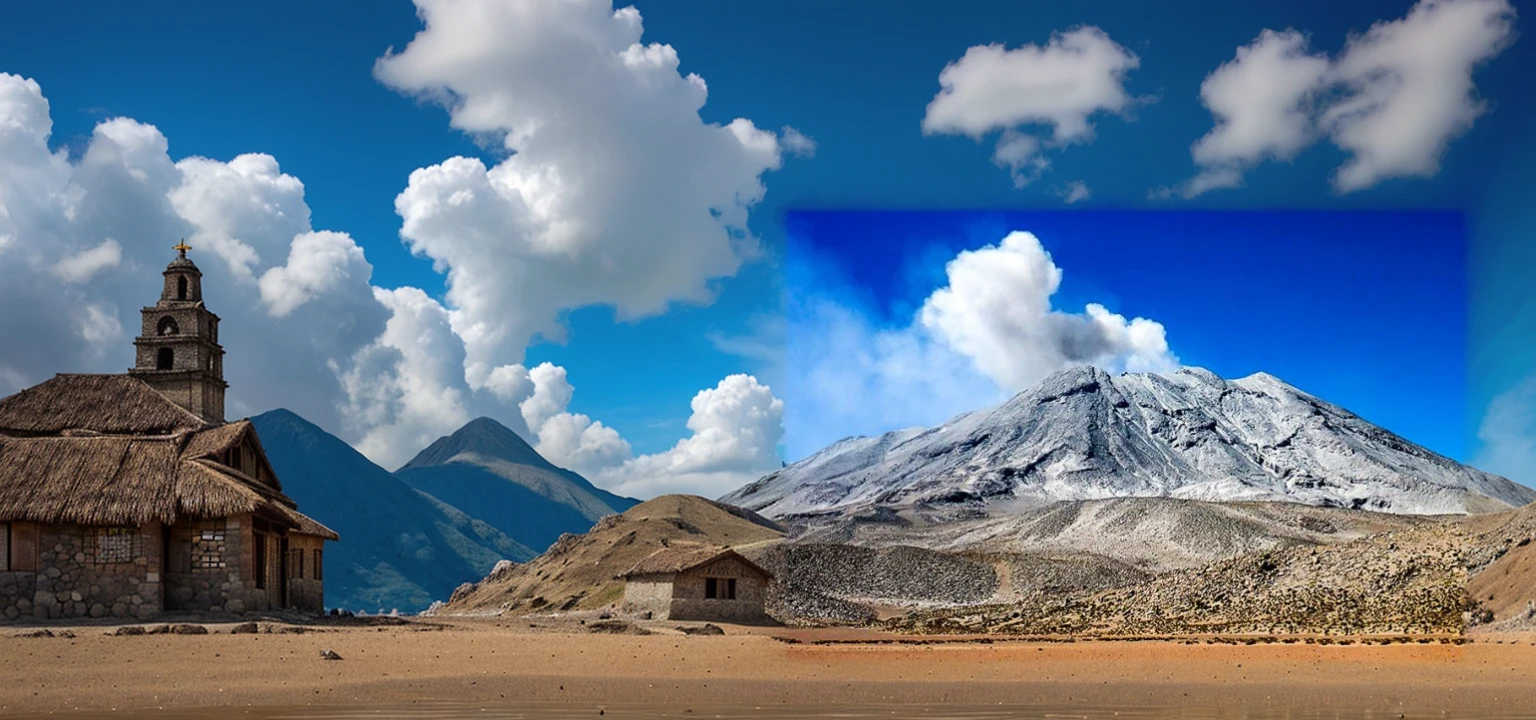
pixel 178 353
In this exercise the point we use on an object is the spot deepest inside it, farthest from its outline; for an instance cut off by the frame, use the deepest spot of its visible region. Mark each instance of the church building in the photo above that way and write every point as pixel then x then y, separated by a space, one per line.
pixel 129 495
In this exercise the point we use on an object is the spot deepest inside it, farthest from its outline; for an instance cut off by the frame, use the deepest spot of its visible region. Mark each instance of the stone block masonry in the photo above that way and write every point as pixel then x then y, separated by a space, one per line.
pixel 87 573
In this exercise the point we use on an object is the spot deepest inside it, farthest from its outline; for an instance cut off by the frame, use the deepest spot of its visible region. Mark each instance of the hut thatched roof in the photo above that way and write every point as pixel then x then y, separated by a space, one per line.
pixel 681 558
pixel 108 404
pixel 110 450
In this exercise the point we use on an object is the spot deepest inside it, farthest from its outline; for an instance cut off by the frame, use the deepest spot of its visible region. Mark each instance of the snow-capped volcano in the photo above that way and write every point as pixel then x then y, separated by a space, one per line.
pixel 1084 434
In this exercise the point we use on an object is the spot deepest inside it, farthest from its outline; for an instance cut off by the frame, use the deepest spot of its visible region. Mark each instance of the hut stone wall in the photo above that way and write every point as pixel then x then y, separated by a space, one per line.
pixel 306 566
pixel 210 567
pixel 649 594
pixel 689 601
pixel 71 571
pixel 683 596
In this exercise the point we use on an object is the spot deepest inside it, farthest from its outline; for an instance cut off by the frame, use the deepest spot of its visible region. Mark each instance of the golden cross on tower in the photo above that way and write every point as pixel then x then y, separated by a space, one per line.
pixel 182 247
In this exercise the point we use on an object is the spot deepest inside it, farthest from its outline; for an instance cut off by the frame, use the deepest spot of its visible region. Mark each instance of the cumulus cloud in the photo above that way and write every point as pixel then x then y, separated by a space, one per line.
pixel 1393 98
pixel 615 192
pixel 316 261
pixel 1060 85
pixel 1507 434
pixel 991 331
pixel 568 439
pixel 736 428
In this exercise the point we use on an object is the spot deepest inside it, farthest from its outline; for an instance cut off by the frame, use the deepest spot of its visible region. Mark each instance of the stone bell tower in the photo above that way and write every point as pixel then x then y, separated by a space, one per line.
pixel 178 353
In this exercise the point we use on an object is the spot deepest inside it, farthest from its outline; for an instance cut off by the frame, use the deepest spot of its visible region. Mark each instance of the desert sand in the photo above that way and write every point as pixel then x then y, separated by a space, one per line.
pixel 503 662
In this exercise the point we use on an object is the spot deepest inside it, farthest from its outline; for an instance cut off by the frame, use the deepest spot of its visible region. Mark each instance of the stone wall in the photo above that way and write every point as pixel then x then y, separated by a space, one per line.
pixel 689 601
pixel 648 594
pixel 85 572
pixel 306 586
pixel 210 567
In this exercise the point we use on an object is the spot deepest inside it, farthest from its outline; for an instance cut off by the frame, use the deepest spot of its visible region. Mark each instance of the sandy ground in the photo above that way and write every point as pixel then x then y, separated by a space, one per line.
pixel 506 662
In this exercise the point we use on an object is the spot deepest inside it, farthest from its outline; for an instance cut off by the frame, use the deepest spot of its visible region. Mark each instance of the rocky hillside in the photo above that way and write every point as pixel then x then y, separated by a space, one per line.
pixel 1082 434
pixel 581 572
pixel 498 477
pixel 1438 577
pixel 1150 534
pixel 400 549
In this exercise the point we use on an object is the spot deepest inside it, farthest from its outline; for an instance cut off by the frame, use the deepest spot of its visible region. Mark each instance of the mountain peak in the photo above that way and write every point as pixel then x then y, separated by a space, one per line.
pixel 482 436
pixel 1082 433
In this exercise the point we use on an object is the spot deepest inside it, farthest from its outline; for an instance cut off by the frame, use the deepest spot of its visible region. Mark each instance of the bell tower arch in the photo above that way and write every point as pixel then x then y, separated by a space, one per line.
pixel 178 351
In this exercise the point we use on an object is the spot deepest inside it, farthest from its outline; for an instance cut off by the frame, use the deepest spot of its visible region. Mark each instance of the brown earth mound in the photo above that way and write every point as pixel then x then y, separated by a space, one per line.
pixel 581 572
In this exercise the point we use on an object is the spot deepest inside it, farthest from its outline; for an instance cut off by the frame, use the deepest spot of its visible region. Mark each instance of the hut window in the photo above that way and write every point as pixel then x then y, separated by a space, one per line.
pixel 5 547
pixel 165 359
pixel 319 564
pixel 208 550
pixel 115 545
pixel 720 588
pixel 181 288
pixel 167 326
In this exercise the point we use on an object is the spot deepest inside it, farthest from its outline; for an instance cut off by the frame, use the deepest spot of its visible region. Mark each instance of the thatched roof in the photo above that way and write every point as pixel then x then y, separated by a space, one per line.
pixel 681 558
pixel 108 404
pixel 306 525
pixel 110 450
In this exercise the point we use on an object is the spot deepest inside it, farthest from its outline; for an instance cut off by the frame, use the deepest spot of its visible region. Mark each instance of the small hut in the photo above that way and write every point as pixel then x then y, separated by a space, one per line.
pixel 697 583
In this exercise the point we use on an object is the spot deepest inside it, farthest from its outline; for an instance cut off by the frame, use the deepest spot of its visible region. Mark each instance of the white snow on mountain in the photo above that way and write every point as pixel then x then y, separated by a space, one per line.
pixel 1083 434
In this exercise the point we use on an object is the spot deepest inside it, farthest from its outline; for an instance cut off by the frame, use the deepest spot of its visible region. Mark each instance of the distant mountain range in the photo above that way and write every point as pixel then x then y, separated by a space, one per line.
pixel 470 500
pixel 1083 434
pixel 501 479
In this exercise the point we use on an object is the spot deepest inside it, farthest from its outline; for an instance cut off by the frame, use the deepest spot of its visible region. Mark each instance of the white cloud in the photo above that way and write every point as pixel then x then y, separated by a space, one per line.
pixel 316 261
pixel 1508 434
pixel 1410 88
pixel 84 265
pixel 1061 84
pixel 1393 98
pixel 1075 191
pixel 997 311
pixel 736 426
pixel 797 143
pixel 568 439
pixel 989 332
pixel 403 390
pixel 616 193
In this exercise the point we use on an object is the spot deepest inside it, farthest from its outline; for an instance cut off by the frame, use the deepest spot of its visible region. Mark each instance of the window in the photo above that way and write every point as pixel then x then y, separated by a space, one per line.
pixel 167 326
pixel 319 575
pixel 114 545
pixel 720 588
pixel 5 547
pixel 181 288
pixel 208 550
pixel 165 359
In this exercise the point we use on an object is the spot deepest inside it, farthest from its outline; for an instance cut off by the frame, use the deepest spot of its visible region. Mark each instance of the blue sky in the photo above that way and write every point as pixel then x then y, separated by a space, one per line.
pixel 296 80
